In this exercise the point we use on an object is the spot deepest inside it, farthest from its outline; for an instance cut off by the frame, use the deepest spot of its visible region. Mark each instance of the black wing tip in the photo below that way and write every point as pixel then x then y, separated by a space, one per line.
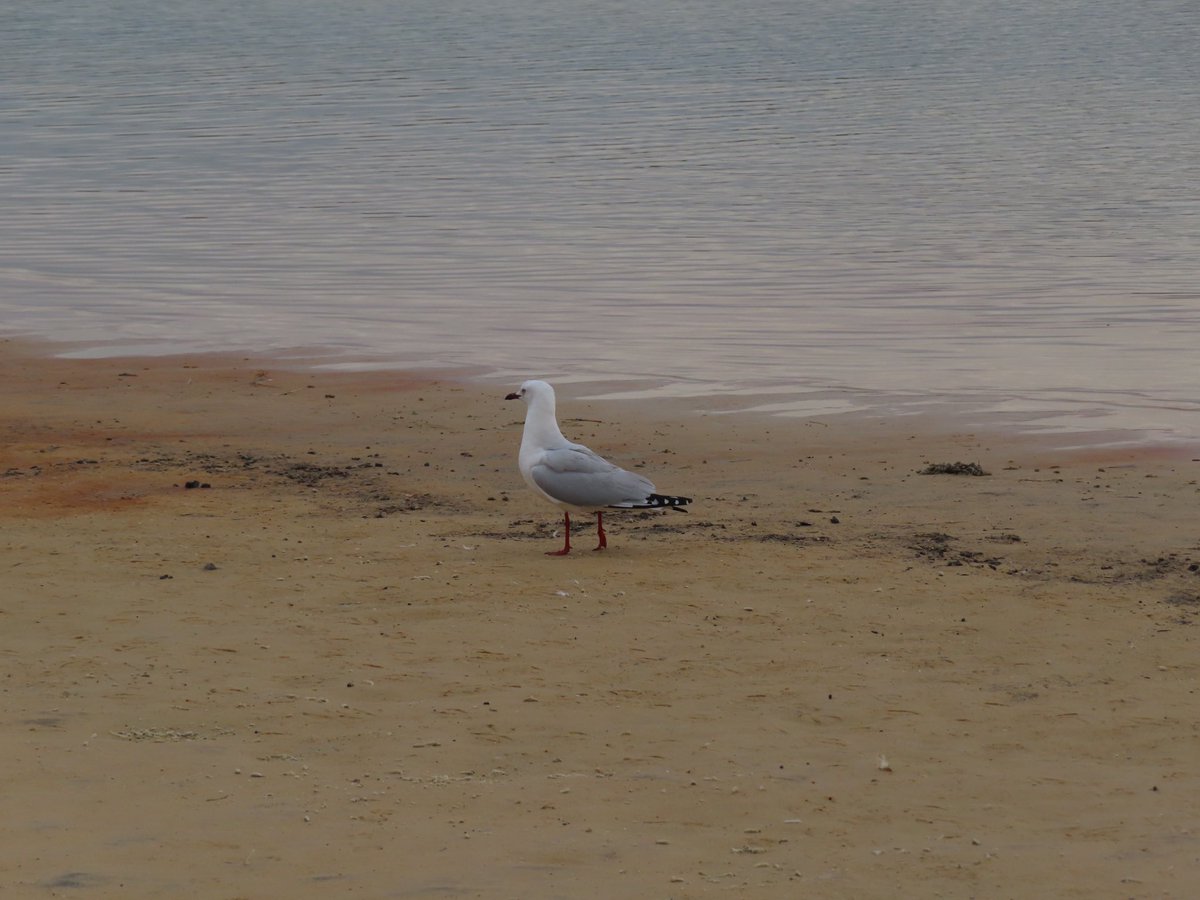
pixel 656 501
pixel 662 500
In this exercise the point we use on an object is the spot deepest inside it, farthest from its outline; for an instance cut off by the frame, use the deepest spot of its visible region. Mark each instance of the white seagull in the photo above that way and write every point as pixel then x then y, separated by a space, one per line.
pixel 573 477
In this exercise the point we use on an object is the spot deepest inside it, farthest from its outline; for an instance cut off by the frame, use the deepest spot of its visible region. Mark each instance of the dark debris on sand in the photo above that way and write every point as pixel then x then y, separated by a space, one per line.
pixel 358 482
pixel 954 468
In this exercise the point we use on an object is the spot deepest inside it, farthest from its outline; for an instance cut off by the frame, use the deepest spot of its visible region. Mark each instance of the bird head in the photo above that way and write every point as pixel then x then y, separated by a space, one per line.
pixel 531 390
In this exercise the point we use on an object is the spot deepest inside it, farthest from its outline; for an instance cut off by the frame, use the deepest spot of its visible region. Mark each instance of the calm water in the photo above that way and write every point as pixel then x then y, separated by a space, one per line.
pixel 808 206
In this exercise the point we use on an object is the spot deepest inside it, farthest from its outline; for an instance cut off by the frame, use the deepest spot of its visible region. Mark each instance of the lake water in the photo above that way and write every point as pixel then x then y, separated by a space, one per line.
pixel 806 207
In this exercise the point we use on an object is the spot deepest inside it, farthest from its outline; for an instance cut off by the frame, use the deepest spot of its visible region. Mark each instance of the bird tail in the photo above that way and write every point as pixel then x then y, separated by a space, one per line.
pixel 660 501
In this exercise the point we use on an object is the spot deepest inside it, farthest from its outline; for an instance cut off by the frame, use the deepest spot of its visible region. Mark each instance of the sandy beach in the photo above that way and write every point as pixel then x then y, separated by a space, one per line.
pixel 283 633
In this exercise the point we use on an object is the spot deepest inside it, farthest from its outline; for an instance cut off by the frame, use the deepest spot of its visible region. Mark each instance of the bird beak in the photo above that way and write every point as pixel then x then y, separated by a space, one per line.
pixel 513 397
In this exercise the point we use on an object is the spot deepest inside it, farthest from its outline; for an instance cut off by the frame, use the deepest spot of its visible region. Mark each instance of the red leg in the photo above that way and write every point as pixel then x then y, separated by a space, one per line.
pixel 566 537
pixel 600 530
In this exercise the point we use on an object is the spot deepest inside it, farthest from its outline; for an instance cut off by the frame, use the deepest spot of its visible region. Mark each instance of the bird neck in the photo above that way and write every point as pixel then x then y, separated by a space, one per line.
pixel 541 425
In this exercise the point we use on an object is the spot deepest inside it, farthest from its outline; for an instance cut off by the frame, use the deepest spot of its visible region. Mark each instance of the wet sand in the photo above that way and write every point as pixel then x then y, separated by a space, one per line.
pixel 340 664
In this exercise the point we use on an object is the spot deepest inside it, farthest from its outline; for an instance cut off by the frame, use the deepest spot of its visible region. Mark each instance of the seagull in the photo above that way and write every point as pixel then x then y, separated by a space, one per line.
pixel 573 477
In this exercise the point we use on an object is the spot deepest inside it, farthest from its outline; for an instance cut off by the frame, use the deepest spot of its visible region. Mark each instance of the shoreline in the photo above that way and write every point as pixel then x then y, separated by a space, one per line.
pixel 952 414
pixel 347 659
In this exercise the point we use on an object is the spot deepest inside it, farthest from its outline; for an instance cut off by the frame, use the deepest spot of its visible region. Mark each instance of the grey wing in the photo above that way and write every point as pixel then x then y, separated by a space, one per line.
pixel 578 477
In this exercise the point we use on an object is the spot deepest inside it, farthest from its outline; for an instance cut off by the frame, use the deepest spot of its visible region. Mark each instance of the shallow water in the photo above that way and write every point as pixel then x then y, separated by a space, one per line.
pixel 986 209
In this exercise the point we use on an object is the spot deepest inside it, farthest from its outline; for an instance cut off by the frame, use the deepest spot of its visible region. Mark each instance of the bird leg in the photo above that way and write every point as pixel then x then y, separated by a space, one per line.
pixel 566 537
pixel 600 530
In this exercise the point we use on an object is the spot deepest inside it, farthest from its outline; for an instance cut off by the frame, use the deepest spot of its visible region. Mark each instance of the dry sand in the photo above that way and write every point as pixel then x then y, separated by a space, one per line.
pixel 346 667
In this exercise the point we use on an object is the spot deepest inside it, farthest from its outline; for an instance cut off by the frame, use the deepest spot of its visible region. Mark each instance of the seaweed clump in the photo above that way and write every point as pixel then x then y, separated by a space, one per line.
pixel 954 468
